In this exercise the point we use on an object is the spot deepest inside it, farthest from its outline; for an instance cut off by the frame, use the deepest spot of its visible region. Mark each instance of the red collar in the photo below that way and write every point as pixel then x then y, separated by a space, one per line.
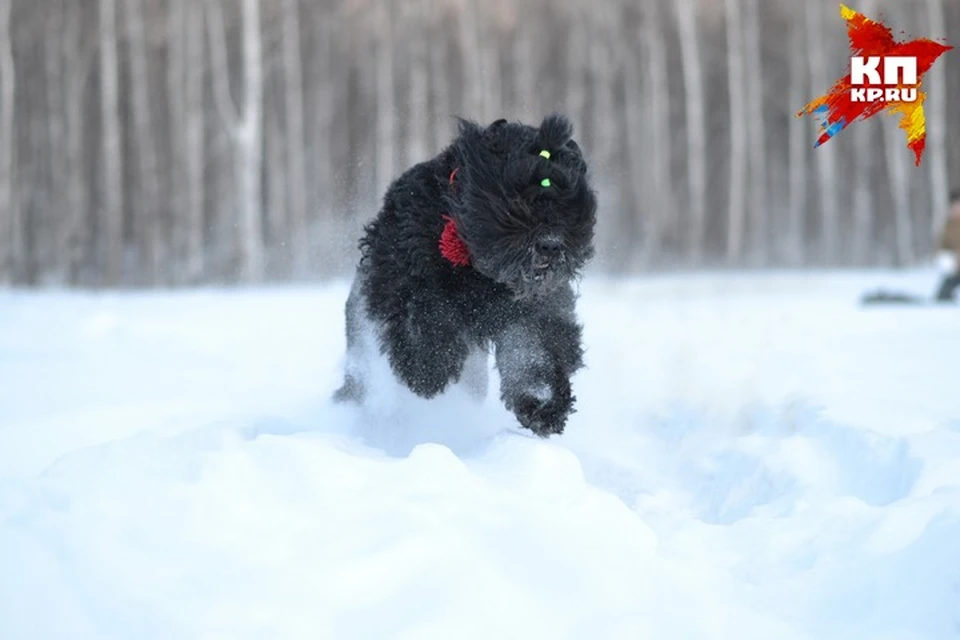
pixel 452 246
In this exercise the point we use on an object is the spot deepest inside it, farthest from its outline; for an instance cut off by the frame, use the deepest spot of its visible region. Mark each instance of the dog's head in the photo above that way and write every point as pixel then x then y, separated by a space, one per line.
pixel 523 203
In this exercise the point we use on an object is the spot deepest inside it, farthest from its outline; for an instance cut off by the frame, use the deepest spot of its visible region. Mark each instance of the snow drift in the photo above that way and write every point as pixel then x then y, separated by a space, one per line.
pixel 753 457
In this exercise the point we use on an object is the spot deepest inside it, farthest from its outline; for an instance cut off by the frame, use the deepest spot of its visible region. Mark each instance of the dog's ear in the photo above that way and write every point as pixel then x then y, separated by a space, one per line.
pixel 468 127
pixel 493 137
pixel 554 132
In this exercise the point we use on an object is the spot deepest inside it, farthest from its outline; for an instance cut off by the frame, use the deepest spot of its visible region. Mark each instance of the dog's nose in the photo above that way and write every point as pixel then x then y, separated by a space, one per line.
pixel 549 246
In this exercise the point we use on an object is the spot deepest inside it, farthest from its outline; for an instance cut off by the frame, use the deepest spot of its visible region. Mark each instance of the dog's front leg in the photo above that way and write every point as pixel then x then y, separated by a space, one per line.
pixel 536 359
pixel 425 345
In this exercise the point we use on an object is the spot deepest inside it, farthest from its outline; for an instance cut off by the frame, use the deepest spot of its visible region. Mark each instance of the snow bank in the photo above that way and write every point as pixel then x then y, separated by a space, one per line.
pixel 753 457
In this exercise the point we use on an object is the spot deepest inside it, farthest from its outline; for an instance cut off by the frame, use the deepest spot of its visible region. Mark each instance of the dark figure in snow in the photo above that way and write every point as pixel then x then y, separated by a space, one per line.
pixel 479 246
pixel 949 251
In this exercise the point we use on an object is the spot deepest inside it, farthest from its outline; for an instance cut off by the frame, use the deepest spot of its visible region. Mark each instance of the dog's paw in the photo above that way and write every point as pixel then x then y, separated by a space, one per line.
pixel 543 408
pixel 351 390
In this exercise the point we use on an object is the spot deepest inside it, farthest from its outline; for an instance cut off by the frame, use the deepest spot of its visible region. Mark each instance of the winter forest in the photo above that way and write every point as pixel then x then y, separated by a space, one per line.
pixel 177 142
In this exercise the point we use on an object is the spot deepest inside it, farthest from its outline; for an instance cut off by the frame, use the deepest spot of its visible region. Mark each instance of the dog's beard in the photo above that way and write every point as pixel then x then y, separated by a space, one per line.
pixel 527 274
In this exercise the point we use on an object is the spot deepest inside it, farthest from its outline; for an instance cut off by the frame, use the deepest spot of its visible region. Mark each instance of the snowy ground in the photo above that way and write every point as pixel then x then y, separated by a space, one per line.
pixel 754 457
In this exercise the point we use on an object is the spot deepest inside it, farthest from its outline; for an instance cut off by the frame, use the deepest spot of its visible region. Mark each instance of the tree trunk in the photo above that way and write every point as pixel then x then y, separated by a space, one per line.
pixel 193 144
pixel 490 65
pixel 627 228
pixel 686 12
pixel 147 212
pixel 863 203
pixel 660 212
pixel 524 55
pixel 112 211
pixel 419 84
pixel 278 231
pixel 249 138
pixel 601 62
pixel 295 160
pixel 578 54
pixel 75 229
pixel 759 204
pixel 898 164
pixel 826 154
pixel 226 251
pixel 386 109
pixel 472 65
pixel 440 81
pixel 601 132
pixel 48 227
pixel 736 80
pixel 798 149
pixel 176 196
pixel 325 85
pixel 8 142
pixel 936 112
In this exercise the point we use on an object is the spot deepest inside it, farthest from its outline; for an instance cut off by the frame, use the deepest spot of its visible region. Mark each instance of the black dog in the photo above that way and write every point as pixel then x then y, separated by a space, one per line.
pixel 479 245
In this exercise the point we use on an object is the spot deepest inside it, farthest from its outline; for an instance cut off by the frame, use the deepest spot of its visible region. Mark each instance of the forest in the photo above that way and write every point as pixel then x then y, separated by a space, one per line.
pixel 161 143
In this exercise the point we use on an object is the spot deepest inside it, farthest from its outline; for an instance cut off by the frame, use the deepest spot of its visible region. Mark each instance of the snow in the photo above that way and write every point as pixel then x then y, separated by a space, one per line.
pixel 754 456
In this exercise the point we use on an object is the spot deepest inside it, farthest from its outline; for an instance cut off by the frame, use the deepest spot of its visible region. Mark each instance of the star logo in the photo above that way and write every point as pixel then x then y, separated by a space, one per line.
pixel 865 92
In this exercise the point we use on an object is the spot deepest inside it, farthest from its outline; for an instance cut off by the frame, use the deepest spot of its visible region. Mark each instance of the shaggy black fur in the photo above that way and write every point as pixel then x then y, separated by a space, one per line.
pixel 527 244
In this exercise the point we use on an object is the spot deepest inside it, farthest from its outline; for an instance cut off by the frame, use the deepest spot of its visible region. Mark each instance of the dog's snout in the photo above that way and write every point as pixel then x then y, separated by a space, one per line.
pixel 549 245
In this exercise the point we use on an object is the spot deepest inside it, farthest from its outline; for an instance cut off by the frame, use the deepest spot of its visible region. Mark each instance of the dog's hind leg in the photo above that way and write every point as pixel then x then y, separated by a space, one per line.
pixel 356 366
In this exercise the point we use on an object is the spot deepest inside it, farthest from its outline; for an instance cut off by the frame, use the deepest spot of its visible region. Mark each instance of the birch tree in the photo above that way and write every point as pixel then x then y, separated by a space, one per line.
pixel 798 147
pixel 578 57
pixel 625 229
pixel 863 200
pixel 295 160
pixel 686 14
pixel 112 196
pixel 936 114
pixel 898 164
pixel 485 25
pixel 8 206
pixel 419 82
pixel 759 204
pixel 277 229
pixel 146 205
pixel 898 167
pixel 323 80
pixel 439 78
pixel 826 160
pixel 525 56
pixel 736 90
pixel 185 69
pixel 386 108
pixel 75 240
pixel 473 106
pixel 245 126
pixel 193 142
pixel 50 233
pixel 661 206
pixel 176 24
pixel 249 134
